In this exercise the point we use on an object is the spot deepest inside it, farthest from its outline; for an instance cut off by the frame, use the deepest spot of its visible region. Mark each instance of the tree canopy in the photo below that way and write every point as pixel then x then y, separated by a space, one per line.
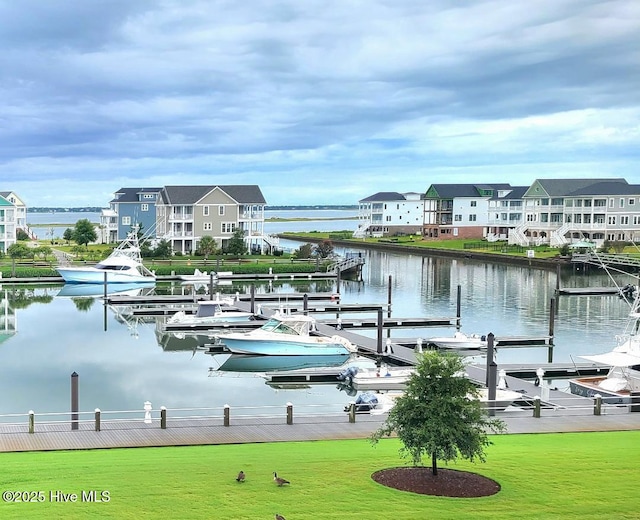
pixel 439 414
pixel 207 246
pixel 237 245
pixel 84 232
pixel 324 249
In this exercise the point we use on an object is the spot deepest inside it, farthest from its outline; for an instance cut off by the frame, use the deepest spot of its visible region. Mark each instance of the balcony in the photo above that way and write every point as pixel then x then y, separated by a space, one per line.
pixel 180 217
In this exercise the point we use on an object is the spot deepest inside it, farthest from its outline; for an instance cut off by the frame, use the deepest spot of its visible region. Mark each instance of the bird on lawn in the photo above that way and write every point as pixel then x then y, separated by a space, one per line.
pixel 240 477
pixel 280 517
pixel 280 481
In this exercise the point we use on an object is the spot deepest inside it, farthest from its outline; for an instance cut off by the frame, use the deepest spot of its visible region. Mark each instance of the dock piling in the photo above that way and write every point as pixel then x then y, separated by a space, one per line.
pixel 97 419
pixel 597 404
pixel 32 421
pixel 289 413
pixel 163 417
pixel 74 401
pixel 458 306
pixel 227 413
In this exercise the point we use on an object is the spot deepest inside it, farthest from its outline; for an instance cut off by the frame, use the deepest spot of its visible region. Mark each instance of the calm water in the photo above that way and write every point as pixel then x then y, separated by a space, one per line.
pixel 318 221
pixel 124 366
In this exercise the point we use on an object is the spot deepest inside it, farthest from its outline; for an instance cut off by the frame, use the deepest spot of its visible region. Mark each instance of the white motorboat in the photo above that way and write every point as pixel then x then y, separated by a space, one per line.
pixel 199 276
pixel 123 265
pixel 460 341
pixel 210 312
pixel 377 403
pixel 381 378
pixel 287 335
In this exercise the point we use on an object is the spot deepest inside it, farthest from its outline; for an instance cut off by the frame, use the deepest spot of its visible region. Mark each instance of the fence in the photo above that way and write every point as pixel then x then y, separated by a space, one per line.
pixel 228 416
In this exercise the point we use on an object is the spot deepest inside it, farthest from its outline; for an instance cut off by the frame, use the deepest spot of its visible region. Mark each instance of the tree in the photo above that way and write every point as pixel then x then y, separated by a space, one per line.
pixel 439 414
pixel 324 249
pixel 18 250
pixel 42 251
pixel 68 235
pixel 84 232
pixel 207 246
pixel 163 249
pixel 237 245
pixel 303 252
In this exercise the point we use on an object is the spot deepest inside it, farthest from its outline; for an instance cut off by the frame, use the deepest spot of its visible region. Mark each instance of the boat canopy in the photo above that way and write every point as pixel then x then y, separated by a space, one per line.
pixel 615 359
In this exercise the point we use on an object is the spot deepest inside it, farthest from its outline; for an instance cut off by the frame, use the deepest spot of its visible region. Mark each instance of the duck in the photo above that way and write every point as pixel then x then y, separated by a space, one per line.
pixel 240 477
pixel 280 481
pixel 280 517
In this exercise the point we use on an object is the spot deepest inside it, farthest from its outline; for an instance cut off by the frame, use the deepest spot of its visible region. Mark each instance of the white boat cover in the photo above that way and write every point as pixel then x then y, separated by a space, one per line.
pixel 615 359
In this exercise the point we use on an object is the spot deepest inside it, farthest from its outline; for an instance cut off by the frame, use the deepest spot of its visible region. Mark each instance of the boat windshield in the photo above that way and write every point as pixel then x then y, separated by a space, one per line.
pixel 274 325
pixel 206 311
pixel 104 267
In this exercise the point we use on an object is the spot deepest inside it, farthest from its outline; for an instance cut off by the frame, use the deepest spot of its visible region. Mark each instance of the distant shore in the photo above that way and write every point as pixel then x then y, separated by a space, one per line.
pixel 271 219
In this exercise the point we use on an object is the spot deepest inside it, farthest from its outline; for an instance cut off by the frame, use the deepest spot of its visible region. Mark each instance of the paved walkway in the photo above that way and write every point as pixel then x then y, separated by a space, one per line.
pixel 183 432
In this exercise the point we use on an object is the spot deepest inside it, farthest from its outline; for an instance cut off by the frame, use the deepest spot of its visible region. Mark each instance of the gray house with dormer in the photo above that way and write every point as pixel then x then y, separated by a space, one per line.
pixel 184 214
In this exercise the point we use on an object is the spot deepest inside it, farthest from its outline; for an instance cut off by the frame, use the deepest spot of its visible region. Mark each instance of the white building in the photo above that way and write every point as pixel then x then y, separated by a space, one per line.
pixel 389 213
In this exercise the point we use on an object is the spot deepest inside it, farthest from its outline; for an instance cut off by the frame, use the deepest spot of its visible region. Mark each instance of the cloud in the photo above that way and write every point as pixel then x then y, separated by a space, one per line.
pixel 316 102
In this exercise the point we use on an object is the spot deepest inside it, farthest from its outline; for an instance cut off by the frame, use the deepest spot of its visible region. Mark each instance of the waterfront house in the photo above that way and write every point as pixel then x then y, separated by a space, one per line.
pixel 184 214
pixel 129 207
pixel 13 217
pixel 459 210
pixel 561 211
pixel 389 213
pixel 506 212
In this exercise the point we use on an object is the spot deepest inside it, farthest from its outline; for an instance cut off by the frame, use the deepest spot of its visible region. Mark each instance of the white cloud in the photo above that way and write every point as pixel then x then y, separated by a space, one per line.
pixel 316 102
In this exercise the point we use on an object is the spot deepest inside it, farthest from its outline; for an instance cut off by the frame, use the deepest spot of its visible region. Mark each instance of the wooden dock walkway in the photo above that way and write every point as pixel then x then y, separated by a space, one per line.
pixel 256 430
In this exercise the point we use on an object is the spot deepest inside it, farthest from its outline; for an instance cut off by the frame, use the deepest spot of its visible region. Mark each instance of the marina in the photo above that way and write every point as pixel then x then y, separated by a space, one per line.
pixel 136 365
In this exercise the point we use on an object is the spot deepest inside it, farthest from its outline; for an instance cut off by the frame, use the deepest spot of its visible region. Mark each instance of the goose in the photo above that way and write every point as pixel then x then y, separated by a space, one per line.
pixel 240 477
pixel 280 517
pixel 279 481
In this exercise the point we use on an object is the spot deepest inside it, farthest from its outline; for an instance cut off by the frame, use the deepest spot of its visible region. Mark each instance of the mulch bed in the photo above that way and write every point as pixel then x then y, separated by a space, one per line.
pixel 448 482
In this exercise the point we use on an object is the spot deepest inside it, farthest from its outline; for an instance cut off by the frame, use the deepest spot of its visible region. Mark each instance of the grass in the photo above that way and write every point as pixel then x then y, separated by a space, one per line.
pixel 546 476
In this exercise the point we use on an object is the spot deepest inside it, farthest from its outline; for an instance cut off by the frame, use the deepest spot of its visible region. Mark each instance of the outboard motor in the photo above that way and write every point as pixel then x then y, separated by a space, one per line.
pixel 366 402
pixel 347 374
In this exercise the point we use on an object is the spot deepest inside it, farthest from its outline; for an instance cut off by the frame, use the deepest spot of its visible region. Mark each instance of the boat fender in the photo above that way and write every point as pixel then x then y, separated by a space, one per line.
pixel 536 382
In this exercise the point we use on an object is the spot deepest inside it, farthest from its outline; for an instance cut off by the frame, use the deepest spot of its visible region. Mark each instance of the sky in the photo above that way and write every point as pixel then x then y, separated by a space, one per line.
pixel 317 102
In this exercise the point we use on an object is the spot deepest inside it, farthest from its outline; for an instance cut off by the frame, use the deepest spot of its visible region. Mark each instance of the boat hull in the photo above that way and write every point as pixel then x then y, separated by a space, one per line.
pixel 280 347
pixel 93 275
pixel 249 363
pixel 587 387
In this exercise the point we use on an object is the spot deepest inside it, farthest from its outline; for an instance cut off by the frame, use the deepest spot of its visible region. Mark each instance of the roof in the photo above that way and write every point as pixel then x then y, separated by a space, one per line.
pixel 515 193
pixel 4 202
pixel 131 194
pixel 452 191
pixel 383 196
pixel 244 194
pixel 576 187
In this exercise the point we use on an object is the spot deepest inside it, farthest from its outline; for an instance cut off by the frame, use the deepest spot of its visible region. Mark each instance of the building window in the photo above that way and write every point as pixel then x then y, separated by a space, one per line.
pixel 228 227
pixel 126 221
pixel 622 203
pixel 473 203
pixel 207 226
pixel 624 220
pixel 205 211
pixel 612 203
pixel 144 207
pixel 458 218
pixel 472 218
pixel 632 202
pixel 221 210
pixel 612 220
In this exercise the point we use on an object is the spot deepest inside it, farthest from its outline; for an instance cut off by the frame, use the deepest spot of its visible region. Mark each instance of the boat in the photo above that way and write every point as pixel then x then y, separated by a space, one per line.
pixel 123 265
pixel 199 276
pixel 210 312
pixel 617 385
pixel 460 341
pixel 381 378
pixel 286 335
pixel 377 403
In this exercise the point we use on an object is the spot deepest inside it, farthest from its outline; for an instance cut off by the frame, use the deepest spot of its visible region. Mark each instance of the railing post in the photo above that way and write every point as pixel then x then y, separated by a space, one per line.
pixel 227 409
pixel 97 419
pixel 163 417
pixel 597 404
pixel 289 413
pixel 32 421
pixel 352 412
pixel 536 406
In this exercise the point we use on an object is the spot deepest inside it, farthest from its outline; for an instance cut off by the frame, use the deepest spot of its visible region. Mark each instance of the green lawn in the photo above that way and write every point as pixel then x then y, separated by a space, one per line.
pixel 546 476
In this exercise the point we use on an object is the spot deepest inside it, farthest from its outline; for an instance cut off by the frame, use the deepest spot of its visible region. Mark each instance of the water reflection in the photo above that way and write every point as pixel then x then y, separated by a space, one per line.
pixel 124 364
